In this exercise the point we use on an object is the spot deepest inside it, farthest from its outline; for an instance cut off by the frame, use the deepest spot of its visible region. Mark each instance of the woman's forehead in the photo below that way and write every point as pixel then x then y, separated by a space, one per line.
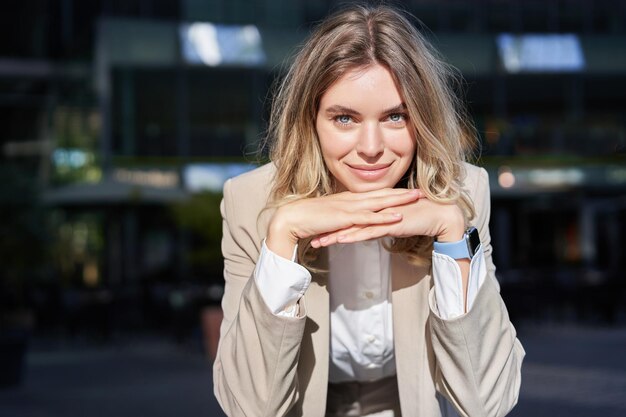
pixel 363 86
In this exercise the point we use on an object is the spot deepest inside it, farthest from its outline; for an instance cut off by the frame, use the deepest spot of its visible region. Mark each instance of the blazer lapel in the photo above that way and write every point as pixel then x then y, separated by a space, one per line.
pixel 313 366
pixel 410 286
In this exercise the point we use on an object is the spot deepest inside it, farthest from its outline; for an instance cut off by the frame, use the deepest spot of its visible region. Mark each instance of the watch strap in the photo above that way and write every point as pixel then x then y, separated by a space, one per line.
pixel 455 250
pixel 461 249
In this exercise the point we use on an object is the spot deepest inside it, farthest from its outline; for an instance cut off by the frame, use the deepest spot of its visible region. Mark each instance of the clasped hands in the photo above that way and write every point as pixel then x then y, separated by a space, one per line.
pixel 349 217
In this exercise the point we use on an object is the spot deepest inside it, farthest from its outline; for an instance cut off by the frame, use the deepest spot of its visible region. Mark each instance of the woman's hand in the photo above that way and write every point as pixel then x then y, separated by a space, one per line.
pixel 421 217
pixel 335 213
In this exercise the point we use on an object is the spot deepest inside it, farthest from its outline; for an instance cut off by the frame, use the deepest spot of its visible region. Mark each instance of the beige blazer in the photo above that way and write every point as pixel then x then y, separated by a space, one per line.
pixel 272 366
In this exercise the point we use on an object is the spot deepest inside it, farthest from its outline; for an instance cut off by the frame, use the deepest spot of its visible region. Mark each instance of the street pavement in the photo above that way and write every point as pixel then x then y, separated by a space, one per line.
pixel 573 371
pixel 148 377
pixel 569 370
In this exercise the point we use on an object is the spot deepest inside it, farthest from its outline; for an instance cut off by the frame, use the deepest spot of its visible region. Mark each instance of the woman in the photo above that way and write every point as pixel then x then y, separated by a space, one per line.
pixel 337 301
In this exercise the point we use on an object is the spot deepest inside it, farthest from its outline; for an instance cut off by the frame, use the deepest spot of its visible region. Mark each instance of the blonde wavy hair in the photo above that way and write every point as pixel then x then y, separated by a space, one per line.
pixel 354 37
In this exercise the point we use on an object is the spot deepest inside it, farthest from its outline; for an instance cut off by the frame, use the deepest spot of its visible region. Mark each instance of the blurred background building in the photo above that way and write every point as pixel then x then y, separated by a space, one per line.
pixel 121 119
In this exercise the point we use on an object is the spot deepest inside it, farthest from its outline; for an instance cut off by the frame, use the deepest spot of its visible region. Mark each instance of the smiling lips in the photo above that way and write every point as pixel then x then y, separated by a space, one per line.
pixel 370 172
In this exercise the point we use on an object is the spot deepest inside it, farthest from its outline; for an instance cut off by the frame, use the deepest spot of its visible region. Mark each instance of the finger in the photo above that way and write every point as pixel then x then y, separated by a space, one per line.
pixel 389 201
pixel 366 217
pixel 357 222
pixel 318 241
pixel 390 192
pixel 359 219
pixel 365 233
pixel 330 238
pixel 383 192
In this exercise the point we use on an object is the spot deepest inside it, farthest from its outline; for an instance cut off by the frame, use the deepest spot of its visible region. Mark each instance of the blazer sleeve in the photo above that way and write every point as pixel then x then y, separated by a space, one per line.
pixel 478 355
pixel 254 373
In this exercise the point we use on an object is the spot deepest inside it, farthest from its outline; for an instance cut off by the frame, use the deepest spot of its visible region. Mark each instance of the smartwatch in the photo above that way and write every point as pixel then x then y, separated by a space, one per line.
pixel 464 248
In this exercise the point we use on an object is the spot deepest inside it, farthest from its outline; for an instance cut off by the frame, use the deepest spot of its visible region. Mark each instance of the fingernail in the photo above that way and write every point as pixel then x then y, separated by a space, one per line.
pixel 340 238
pixel 397 214
pixel 323 239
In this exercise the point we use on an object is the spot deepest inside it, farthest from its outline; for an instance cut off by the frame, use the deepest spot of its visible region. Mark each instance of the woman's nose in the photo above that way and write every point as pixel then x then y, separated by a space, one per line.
pixel 370 141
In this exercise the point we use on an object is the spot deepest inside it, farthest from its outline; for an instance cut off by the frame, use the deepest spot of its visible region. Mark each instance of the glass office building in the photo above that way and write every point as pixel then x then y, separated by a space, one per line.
pixel 127 116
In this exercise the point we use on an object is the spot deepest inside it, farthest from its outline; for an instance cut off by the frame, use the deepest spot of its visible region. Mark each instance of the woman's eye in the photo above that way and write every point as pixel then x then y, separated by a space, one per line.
pixel 397 117
pixel 343 119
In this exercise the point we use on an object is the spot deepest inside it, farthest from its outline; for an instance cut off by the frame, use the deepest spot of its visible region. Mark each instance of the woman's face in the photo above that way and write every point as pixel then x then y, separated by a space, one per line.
pixel 363 129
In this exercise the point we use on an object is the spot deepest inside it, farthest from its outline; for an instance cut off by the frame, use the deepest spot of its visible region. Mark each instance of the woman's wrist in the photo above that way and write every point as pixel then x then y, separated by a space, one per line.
pixel 451 236
pixel 280 239
pixel 453 226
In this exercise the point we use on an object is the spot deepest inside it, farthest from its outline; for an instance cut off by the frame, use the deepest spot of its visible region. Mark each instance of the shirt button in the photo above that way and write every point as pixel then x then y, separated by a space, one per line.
pixel 371 338
pixel 369 295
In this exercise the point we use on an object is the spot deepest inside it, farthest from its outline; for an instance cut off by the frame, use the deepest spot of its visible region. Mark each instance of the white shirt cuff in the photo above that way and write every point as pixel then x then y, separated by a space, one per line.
pixel 449 284
pixel 281 282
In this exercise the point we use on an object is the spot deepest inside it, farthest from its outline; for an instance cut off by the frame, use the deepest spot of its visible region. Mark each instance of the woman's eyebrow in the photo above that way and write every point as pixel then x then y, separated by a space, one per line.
pixel 396 109
pixel 337 108
pixel 341 109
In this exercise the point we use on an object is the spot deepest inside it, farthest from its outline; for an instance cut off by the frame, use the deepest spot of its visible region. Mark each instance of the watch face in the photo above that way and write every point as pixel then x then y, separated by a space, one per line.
pixel 473 239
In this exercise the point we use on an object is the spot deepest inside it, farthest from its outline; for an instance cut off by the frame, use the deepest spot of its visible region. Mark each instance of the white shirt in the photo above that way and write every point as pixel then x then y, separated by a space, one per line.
pixel 361 341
